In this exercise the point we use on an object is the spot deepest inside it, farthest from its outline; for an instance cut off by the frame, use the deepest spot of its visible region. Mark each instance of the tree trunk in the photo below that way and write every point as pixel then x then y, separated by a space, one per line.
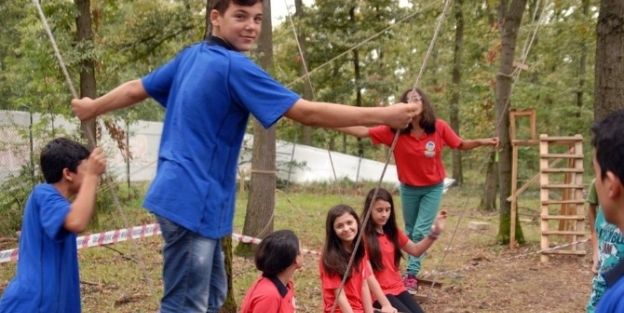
pixel 259 216
pixel 306 131
pixel 582 66
pixel 510 21
pixel 84 37
pixel 357 77
pixel 454 104
pixel 230 303
pixel 609 85
pixel 490 187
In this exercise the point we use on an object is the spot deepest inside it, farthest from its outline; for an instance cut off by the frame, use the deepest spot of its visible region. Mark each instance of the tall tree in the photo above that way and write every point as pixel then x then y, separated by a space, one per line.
pixel 259 216
pixel 609 85
pixel 454 104
pixel 84 38
pixel 510 17
pixel 306 131
pixel 582 64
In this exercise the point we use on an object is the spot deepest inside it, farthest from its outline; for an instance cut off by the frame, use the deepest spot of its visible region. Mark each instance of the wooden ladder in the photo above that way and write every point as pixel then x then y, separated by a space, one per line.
pixel 567 182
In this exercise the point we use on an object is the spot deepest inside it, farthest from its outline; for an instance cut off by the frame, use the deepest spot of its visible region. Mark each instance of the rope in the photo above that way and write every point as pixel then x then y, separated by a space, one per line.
pixel 365 41
pixel 91 138
pixel 307 77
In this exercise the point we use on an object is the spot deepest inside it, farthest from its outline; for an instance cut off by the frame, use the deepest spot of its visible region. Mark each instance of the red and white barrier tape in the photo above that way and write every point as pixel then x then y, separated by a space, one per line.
pixel 114 236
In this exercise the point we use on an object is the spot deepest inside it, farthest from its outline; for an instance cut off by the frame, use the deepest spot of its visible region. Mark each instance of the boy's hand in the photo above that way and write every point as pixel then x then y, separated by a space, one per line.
pixel 403 113
pixel 96 163
pixel 84 108
pixel 440 221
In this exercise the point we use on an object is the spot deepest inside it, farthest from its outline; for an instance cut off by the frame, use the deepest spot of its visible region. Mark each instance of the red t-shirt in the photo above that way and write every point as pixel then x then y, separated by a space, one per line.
pixel 418 160
pixel 389 278
pixel 269 295
pixel 352 288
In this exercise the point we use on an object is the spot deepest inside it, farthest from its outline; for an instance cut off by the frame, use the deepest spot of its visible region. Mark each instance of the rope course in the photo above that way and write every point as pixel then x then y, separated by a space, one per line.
pixel 515 76
pixel 100 239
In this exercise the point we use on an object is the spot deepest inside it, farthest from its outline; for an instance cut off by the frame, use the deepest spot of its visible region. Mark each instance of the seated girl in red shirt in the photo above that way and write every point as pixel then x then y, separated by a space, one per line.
pixel 342 230
pixel 384 242
pixel 278 256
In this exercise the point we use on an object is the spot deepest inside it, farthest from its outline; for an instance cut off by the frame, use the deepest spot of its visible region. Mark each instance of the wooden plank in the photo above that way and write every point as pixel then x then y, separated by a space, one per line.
pixel 420 298
pixel 566 252
pixel 551 139
pixel 428 283
pixel 578 194
pixel 562 170
pixel 544 196
pixel 562 186
pixel 563 202
pixel 564 217
pixel 525 142
pixel 562 233
pixel 561 156
pixel 565 208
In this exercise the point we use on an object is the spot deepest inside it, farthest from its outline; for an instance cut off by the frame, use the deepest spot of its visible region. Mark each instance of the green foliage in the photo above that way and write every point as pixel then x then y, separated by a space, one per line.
pixel 13 195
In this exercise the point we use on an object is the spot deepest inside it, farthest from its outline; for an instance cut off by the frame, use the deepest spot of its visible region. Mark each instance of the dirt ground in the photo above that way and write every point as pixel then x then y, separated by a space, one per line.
pixel 477 275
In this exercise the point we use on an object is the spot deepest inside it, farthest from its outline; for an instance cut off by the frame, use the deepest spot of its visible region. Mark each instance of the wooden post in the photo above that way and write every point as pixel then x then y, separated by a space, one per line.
pixel 514 199
pixel 544 196
pixel 513 114
pixel 578 179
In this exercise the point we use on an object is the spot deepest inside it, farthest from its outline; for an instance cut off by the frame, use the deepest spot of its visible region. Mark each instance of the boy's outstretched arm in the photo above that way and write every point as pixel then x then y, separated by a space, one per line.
pixel 331 115
pixel 82 208
pixel 123 96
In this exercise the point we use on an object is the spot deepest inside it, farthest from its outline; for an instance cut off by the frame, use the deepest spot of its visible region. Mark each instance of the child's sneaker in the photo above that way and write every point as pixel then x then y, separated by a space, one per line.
pixel 410 282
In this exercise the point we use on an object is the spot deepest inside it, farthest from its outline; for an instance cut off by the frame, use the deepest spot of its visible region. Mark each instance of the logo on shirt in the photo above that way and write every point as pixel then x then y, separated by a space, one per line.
pixel 430 149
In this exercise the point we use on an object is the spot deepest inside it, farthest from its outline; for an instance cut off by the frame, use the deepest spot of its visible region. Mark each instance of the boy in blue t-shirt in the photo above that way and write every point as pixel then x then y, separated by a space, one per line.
pixel 607 246
pixel 609 168
pixel 208 91
pixel 47 279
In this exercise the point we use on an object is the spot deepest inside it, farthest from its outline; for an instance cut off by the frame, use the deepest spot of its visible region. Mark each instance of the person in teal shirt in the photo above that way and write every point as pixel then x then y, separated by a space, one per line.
pixel 607 248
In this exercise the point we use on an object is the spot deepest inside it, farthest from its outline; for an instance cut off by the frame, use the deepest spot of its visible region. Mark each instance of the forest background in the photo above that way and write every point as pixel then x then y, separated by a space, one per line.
pixel 363 53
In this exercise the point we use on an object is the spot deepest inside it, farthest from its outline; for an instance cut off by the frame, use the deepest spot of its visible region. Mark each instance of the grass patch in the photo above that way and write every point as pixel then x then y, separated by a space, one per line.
pixel 113 277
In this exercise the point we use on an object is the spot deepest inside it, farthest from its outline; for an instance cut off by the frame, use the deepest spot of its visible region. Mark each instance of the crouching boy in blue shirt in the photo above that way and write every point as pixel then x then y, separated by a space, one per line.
pixel 47 270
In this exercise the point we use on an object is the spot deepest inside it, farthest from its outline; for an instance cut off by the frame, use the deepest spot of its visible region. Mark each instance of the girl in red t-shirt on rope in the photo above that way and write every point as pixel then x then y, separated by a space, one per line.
pixel 342 230
pixel 384 241
pixel 418 156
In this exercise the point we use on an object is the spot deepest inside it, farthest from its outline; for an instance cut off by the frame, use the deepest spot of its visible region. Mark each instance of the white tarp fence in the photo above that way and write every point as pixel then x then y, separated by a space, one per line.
pixel 314 163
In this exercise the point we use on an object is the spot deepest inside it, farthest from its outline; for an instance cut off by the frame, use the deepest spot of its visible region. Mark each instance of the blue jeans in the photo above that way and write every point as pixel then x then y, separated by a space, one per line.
pixel 420 207
pixel 193 271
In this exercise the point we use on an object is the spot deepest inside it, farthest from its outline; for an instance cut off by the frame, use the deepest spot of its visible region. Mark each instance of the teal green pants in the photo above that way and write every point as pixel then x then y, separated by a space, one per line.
pixel 420 207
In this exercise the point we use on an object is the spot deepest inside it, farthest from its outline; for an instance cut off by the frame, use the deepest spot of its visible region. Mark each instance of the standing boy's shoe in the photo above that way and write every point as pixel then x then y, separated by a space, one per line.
pixel 411 283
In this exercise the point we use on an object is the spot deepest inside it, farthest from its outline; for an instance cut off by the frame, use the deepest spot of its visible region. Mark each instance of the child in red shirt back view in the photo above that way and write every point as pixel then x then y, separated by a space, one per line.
pixel 278 256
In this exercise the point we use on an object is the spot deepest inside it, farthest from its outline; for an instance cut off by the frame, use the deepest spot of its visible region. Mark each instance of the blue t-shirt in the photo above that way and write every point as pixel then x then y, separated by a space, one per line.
pixel 47 269
pixel 613 299
pixel 610 253
pixel 208 92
